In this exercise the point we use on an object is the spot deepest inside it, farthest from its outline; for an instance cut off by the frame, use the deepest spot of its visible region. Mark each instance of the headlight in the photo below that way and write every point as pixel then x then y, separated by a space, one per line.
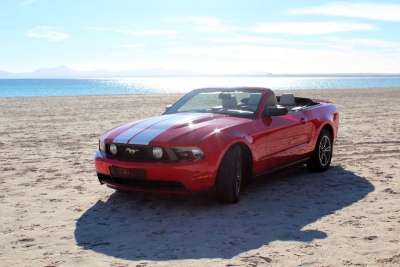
pixel 189 153
pixel 102 145
pixel 197 153
pixel 113 149
pixel 158 152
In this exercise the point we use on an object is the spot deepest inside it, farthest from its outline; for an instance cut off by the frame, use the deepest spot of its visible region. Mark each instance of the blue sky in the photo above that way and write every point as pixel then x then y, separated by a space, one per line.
pixel 207 36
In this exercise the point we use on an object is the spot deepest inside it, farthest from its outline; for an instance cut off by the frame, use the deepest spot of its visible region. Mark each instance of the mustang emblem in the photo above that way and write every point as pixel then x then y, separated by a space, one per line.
pixel 132 151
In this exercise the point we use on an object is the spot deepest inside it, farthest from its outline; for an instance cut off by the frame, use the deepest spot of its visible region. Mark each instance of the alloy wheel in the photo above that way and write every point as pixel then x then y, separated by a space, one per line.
pixel 325 151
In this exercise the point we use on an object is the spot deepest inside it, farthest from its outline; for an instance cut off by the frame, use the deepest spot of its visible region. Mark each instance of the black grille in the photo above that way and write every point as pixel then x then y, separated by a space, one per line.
pixel 135 152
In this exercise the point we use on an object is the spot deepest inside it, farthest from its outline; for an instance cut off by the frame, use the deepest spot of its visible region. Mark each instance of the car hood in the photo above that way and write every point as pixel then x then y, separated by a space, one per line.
pixel 178 128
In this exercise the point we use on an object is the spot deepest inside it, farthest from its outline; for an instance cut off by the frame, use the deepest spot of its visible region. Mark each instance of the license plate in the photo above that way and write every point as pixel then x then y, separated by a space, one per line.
pixel 127 173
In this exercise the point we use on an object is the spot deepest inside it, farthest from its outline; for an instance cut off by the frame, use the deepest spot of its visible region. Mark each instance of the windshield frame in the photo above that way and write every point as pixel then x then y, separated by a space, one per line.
pixel 229 112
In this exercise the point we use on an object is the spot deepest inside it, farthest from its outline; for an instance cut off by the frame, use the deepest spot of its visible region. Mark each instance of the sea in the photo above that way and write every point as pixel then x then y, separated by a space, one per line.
pixel 170 85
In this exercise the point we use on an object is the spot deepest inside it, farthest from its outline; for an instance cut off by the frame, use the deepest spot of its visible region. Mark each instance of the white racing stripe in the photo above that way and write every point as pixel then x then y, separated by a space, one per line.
pixel 141 126
pixel 144 137
pixel 106 135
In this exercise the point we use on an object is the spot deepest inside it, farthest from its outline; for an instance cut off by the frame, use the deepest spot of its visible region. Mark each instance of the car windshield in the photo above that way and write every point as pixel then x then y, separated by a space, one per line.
pixel 232 102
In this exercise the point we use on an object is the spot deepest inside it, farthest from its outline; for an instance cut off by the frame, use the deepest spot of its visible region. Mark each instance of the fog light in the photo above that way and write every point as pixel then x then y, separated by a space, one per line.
pixel 158 152
pixel 113 149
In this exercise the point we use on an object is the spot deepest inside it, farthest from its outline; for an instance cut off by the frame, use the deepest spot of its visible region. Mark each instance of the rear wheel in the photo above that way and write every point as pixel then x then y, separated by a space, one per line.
pixel 229 177
pixel 322 156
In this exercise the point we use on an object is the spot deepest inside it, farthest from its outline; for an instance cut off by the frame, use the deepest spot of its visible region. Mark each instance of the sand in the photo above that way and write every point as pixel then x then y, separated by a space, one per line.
pixel 54 212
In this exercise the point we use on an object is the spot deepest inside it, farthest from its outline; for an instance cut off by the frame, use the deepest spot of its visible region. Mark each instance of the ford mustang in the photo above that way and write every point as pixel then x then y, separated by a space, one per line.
pixel 216 140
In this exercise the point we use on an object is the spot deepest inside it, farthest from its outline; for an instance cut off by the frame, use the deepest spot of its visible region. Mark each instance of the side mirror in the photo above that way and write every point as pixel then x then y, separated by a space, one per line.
pixel 275 111
pixel 167 107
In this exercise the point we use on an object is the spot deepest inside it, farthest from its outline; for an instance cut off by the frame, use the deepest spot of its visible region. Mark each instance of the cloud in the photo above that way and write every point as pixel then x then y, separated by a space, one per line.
pixel 364 42
pixel 204 20
pixel 47 33
pixel 387 12
pixel 197 20
pixel 97 29
pixel 204 24
pixel 135 33
pixel 252 52
pixel 312 28
pixel 235 51
pixel 247 39
pixel 27 2
pixel 295 60
pixel 244 39
pixel 148 32
pixel 120 54
pixel 171 43
pixel 133 46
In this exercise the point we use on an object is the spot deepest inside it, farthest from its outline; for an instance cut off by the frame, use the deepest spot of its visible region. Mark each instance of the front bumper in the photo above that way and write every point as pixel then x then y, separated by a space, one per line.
pixel 174 178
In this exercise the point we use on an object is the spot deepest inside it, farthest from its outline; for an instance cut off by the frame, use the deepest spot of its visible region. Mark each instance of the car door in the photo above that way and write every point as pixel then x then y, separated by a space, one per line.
pixel 286 138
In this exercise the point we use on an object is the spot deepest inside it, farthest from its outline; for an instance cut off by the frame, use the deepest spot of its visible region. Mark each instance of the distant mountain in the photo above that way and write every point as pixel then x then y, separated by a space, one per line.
pixel 51 72
pixel 6 74
pixel 65 72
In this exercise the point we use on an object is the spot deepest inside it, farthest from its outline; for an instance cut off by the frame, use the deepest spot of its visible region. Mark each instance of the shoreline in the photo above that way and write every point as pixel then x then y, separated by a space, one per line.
pixel 55 212
pixel 181 94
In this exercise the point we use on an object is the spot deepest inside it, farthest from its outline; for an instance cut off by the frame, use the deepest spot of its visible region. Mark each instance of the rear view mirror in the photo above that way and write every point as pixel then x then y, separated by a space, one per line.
pixel 167 107
pixel 224 96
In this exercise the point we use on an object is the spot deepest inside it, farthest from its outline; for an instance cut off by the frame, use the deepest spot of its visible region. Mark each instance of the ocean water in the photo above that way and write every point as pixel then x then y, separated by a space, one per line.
pixel 167 85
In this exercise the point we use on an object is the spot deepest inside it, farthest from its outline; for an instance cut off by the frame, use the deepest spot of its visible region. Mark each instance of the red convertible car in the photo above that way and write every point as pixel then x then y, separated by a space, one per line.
pixel 216 140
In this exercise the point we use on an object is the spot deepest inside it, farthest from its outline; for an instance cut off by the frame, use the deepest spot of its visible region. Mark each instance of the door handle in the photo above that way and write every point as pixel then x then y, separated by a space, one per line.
pixel 302 120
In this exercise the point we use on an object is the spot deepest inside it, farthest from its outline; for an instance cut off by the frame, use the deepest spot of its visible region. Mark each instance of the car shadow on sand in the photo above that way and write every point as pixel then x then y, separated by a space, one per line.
pixel 163 227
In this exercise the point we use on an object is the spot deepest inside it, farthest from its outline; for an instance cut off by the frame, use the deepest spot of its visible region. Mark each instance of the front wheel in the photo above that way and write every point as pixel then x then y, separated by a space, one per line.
pixel 322 156
pixel 229 177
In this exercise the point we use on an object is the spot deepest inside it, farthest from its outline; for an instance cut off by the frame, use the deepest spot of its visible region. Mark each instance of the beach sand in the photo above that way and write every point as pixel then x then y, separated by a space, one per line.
pixel 54 212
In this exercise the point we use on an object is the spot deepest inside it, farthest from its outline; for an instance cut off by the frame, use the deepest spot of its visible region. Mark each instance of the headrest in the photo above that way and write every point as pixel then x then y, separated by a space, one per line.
pixel 287 99
pixel 272 99
pixel 254 98
pixel 230 103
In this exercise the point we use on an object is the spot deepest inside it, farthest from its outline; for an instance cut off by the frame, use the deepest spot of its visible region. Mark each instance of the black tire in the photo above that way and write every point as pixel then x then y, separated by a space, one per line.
pixel 322 156
pixel 229 177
